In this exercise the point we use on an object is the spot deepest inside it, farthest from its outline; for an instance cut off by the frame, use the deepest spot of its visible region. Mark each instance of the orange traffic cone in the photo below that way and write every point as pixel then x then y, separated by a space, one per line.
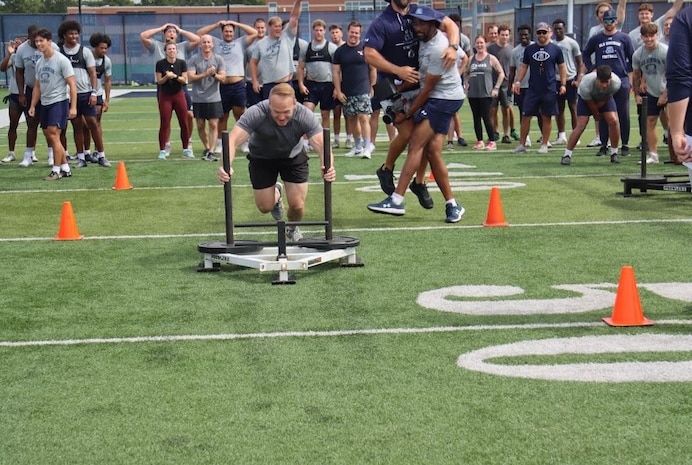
pixel 628 307
pixel 68 226
pixel 431 178
pixel 121 180
pixel 495 216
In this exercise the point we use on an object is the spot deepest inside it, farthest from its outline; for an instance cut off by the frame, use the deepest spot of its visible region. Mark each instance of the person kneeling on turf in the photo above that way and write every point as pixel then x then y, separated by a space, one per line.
pixel 595 97
pixel 274 128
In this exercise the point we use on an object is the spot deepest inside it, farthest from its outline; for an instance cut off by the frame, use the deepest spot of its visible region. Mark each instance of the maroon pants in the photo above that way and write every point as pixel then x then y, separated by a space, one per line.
pixel 168 103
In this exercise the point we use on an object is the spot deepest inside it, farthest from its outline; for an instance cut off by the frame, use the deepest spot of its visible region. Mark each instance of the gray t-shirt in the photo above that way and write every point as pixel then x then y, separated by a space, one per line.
pixel 429 53
pixel 51 74
pixel 516 61
pixel 248 54
pixel 504 56
pixel 13 89
pixel 464 43
pixel 636 33
pixel 268 140
pixel 589 89
pixel 570 50
pixel 652 64
pixel 275 56
pixel 233 54
pixel 26 58
pixel 81 75
pixel 318 71
pixel 206 90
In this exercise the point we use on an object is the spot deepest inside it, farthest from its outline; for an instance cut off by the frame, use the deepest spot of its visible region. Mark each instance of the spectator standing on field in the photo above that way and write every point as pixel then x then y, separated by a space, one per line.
pixel 171 79
pixel 14 110
pixel 481 91
pixel 336 36
pixel 100 43
pixel 524 33
pixel 251 96
pixel 573 64
pixel 502 50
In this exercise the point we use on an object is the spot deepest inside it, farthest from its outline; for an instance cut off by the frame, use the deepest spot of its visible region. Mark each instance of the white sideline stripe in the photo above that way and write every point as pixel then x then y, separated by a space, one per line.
pixel 352 230
pixel 335 333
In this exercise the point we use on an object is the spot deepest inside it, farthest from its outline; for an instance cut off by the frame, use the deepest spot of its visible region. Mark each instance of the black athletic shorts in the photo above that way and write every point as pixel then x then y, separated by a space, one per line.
pixel 265 172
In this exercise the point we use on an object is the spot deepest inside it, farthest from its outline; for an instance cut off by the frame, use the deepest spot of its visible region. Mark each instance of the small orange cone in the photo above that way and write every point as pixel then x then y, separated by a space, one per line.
pixel 431 178
pixel 628 307
pixel 121 180
pixel 495 218
pixel 68 226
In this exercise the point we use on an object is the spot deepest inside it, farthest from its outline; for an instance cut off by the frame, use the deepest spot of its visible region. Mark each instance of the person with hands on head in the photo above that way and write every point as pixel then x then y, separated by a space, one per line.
pixel 54 76
pixel 274 129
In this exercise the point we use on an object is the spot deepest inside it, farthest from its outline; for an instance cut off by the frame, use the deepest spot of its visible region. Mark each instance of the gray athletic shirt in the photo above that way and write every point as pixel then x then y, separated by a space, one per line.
pixel 318 71
pixel 51 74
pixel 268 140
pixel 429 53
pixel 206 90
pixel 26 58
pixel 275 56
pixel 81 75
pixel 652 64
pixel 480 77
pixel 570 50
pixel 589 90
pixel 233 54
pixel 516 61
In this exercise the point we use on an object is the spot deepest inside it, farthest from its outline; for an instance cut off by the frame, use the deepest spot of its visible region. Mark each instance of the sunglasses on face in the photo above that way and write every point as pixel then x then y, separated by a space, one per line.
pixel 540 33
pixel 608 21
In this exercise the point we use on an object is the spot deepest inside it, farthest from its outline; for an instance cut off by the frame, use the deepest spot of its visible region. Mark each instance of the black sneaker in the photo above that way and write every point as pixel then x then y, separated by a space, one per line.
pixel 386 178
pixel 496 137
pixel 566 160
pixel 625 151
pixel 462 142
pixel 89 158
pixel 421 191
pixel 614 158
pixel 53 176
pixel 65 174
pixel 665 139
pixel 603 151
pixel 506 140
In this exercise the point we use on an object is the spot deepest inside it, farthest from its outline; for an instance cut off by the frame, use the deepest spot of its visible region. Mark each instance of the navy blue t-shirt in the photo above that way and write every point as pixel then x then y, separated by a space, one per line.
pixel 615 51
pixel 542 60
pixel 392 35
pixel 355 72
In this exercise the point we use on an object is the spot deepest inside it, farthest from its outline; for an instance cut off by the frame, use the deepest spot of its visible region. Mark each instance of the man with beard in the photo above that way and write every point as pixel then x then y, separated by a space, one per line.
pixel 392 48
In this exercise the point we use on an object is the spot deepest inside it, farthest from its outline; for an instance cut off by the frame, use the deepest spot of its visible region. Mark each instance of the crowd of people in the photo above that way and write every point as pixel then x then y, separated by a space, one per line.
pixel 413 66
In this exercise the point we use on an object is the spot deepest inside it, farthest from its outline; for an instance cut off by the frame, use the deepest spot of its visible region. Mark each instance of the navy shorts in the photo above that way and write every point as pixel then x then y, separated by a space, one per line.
pixel 55 114
pixel 583 108
pixel 375 104
pixel 29 92
pixel 537 102
pixel 251 97
pixel 570 93
pixel 321 93
pixel 83 107
pixel 265 172
pixel 439 113
pixel 14 103
pixel 233 95
pixel 652 107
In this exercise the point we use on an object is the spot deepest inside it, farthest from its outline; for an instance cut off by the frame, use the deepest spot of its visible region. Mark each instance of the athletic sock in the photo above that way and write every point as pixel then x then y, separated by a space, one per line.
pixel 397 199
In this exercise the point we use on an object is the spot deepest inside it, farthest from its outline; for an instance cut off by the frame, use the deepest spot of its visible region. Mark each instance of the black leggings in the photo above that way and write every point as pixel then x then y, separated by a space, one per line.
pixel 480 107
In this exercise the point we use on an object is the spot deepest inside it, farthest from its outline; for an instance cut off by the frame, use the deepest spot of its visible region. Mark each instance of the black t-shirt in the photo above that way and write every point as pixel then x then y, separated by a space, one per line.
pixel 179 67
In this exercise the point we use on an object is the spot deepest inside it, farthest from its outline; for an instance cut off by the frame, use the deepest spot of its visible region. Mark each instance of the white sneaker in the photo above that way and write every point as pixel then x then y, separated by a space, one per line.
pixel 653 159
pixel 366 153
pixel 543 149
pixel 26 162
pixel 528 141
pixel 371 147
pixel 219 146
pixel 9 158
pixel 33 157
pixel 245 147
pixel 349 143
pixel 354 152
pixel 596 142
pixel 167 148
pixel 560 141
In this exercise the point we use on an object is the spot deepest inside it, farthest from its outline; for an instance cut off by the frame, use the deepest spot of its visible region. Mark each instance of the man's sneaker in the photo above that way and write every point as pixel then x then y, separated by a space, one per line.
pixel 543 149
pixel 335 144
pixel 372 148
pixel 293 234
pixel 88 158
pixel 388 207
pixel 34 158
pixel 652 159
pixel 480 145
pixel 386 177
pixel 462 142
pixel 514 134
pixel 519 149
pixel 65 174
pixel 104 162
pixel 354 152
pixel 9 158
pixel 188 155
pixel 167 148
pixel 366 153
pixel 454 213
pixel 614 158
pixel 421 191
pixel 506 140
pixel 349 143
pixel 26 162
pixel 496 137
pixel 560 141
pixel 53 176
pixel 491 146
pixel 81 164
pixel 594 143
pixel 209 156
pixel 625 151
pixel 278 210
pixel 450 146
pixel 566 160
pixel 603 151
pixel 527 143
pixel 245 147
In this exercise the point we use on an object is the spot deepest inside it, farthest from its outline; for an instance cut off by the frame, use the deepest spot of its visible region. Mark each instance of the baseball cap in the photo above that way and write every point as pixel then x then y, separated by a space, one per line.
pixel 542 27
pixel 609 16
pixel 425 13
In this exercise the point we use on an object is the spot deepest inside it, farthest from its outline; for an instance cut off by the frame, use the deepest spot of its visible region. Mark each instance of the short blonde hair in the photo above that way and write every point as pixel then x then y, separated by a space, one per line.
pixel 273 20
pixel 319 23
pixel 283 89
